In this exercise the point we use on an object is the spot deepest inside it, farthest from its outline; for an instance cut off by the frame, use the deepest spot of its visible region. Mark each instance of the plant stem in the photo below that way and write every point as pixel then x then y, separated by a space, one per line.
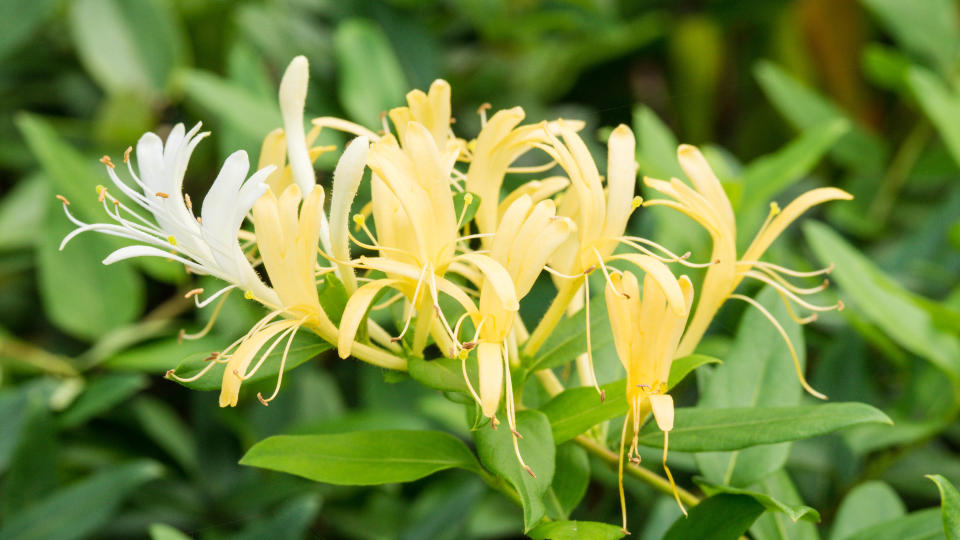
pixel 550 382
pixel 555 312
pixel 651 478
pixel 900 168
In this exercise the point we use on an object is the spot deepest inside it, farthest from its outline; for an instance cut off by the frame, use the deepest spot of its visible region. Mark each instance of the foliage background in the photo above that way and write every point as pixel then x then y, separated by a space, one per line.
pixel 93 442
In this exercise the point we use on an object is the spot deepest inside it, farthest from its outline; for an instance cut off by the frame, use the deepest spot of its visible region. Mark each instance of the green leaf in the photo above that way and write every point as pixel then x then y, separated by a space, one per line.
pixel 101 298
pixel 656 145
pixel 713 430
pixel 683 366
pixel 576 410
pixel 940 104
pixel 13 408
pixel 569 481
pixel 721 517
pixel 927 29
pixel 921 525
pixel 161 531
pixel 333 297
pixel 805 109
pixel 102 394
pixel 362 458
pixel 950 506
pixel 886 66
pixel 757 372
pixel 304 348
pixel 22 212
pixel 80 509
pixel 776 525
pixel 441 373
pixel 569 339
pixel 576 530
pixel 370 79
pixel 161 355
pixel 33 472
pixel 795 512
pixel 883 301
pixel 290 522
pixel 865 505
pixel 128 45
pixel 21 19
pixel 495 448
pixel 163 425
pixel 769 175
pixel 250 114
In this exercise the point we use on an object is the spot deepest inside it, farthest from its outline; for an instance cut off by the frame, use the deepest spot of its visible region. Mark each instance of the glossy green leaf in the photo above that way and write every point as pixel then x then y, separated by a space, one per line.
pixel 795 512
pixel 569 481
pixel 370 80
pixel 866 505
pixel 777 525
pixel 128 45
pixel 949 506
pixel 576 410
pixel 33 472
pixel 569 339
pixel 920 525
pixel 442 373
pixel 927 29
pixel 23 211
pixel 576 530
pixel 757 372
pixel 362 458
pixel 304 348
pixel 805 109
pixel 161 355
pixel 940 104
pixel 713 430
pixel 883 301
pixel 495 448
pixel 721 517
pixel 82 507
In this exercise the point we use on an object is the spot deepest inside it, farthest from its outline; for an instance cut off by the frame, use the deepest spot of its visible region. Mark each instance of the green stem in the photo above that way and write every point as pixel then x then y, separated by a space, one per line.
pixel 556 311
pixel 651 478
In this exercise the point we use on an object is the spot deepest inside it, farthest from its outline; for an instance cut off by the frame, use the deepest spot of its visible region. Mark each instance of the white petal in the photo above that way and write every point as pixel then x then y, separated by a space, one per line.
pixel 293 95
pixel 220 201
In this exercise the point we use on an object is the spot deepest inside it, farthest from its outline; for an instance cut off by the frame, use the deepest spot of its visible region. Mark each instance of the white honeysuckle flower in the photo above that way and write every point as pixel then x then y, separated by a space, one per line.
pixel 208 244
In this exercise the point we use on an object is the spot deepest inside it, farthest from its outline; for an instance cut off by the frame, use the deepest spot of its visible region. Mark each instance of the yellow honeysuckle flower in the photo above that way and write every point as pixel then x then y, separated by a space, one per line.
pixel 499 144
pixel 528 234
pixel 601 216
pixel 417 227
pixel 707 204
pixel 646 332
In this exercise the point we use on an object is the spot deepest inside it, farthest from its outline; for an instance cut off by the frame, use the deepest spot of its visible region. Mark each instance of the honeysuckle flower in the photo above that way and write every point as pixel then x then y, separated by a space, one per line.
pixel 289 224
pixel 207 244
pixel 417 231
pixel 646 331
pixel 601 216
pixel 707 204
pixel 500 143
pixel 528 234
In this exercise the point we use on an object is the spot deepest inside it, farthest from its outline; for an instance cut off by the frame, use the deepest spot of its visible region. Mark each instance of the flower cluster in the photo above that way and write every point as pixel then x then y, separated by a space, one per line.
pixel 444 240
